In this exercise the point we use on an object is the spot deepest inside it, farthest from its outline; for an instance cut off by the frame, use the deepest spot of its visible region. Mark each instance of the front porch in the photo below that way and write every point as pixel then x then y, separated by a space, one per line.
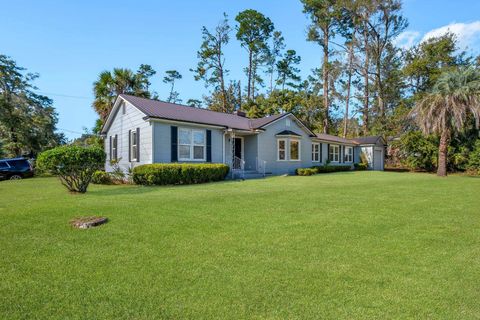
pixel 241 154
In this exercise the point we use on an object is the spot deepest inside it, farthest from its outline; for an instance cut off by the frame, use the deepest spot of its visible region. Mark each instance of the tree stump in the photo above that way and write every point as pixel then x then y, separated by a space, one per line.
pixel 88 222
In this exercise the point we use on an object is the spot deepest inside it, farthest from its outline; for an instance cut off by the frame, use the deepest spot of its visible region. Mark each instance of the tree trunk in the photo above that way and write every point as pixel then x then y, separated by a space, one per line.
pixel 349 84
pixel 326 102
pixel 249 74
pixel 366 83
pixel 222 81
pixel 443 154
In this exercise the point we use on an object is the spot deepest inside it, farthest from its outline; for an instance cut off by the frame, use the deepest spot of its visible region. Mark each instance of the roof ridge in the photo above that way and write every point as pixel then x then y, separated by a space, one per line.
pixel 184 105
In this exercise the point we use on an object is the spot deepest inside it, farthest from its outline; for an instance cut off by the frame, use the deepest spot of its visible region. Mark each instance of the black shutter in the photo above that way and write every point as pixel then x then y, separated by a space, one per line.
pixel 343 153
pixel 321 146
pixel 138 145
pixel 116 147
pixel 353 154
pixel 173 142
pixel 129 145
pixel 328 152
pixel 209 145
pixel 110 146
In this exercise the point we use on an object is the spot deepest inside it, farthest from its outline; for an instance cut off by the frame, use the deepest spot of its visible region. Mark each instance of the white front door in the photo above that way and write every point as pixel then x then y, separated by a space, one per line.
pixel 378 159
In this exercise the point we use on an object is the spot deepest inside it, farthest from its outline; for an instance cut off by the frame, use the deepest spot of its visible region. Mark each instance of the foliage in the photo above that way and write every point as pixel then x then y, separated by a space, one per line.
pixel 360 166
pixel 74 165
pixel 329 168
pixel 306 171
pixel 473 165
pixel 112 83
pixel 170 77
pixel 178 173
pixel 101 177
pixel 418 152
pixel 27 119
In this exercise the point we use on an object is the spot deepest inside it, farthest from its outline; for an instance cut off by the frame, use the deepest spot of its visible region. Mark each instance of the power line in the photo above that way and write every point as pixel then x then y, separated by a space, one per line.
pixel 62 95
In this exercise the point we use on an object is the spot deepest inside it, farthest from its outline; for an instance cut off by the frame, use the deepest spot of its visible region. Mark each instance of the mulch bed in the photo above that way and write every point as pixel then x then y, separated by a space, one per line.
pixel 88 222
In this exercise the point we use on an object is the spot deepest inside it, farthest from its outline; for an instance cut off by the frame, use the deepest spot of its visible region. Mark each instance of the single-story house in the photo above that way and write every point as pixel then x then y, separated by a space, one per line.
pixel 140 131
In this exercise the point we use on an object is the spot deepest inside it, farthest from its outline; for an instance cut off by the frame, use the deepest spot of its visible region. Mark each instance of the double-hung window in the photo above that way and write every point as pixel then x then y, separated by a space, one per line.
pixel 191 145
pixel 334 153
pixel 281 149
pixel 133 145
pixel 348 154
pixel 294 150
pixel 316 152
pixel 114 147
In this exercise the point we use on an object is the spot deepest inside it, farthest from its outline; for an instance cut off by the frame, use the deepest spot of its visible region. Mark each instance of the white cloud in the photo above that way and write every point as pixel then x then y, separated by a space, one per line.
pixel 468 34
pixel 407 39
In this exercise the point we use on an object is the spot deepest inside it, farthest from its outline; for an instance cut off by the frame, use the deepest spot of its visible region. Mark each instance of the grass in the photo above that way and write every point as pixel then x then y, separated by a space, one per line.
pixel 363 245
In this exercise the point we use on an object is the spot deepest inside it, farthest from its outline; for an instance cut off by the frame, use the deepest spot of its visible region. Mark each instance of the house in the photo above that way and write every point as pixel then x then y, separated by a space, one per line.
pixel 140 131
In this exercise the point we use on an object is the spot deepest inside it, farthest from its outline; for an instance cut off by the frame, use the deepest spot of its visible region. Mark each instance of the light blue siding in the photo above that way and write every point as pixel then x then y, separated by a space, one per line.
pixel 162 141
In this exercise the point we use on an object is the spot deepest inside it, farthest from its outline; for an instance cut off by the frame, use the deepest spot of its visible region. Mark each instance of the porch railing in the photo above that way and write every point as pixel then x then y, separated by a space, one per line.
pixel 238 167
pixel 260 166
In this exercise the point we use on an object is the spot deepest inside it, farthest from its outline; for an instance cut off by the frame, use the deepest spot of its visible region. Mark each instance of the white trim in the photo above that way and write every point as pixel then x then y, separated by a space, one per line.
pixel 290 149
pixel 284 149
pixel 111 115
pixel 317 153
pixel 192 145
pixel 296 120
pixel 338 153
pixel 346 153
pixel 133 155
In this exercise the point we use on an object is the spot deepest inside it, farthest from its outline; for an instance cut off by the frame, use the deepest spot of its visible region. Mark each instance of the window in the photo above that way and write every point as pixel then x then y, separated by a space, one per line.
pixel 3 165
pixel 191 145
pixel 294 150
pixel 114 147
pixel 287 122
pixel 124 108
pixel 133 145
pixel 281 146
pixel 334 153
pixel 348 154
pixel 19 164
pixel 316 152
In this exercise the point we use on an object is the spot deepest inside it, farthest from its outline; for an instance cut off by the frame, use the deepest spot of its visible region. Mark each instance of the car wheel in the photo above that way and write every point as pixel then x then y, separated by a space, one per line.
pixel 15 177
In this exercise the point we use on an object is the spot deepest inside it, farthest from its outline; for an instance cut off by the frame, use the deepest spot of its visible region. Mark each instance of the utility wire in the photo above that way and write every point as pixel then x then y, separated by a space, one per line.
pixel 62 95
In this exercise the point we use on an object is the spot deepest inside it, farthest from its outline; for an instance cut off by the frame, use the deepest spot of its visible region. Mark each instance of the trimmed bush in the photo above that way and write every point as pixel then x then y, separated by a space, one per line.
pixel 101 177
pixel 306 171
pixel 178 173
pixel 74 165
pixel 360 166
pixel 328 168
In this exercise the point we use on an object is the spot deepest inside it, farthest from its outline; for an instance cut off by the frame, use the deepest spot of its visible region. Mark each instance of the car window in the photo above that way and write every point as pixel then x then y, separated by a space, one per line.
pixel 3 165
pixel 19 164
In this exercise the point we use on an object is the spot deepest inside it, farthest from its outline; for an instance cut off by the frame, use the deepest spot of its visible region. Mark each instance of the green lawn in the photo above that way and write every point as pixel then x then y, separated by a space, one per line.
pixel 364 245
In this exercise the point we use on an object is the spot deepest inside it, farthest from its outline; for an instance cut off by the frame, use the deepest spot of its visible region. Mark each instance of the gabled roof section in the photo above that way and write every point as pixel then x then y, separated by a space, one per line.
pixel 332 138
pixel 288 133
pixel 369 140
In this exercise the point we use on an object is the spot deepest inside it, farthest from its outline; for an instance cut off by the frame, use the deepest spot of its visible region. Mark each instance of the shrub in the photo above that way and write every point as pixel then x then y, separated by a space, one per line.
pixel 360 166
pixel 178 173
pixel 74 165
pixel 328 168
pixel 473 166
pixel 101 177
pixel 306 171
pixel 417 152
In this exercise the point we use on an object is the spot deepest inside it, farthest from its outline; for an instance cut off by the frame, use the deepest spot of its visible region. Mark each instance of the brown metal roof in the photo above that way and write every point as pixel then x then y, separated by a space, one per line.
pixel 368 140
pixel 177 112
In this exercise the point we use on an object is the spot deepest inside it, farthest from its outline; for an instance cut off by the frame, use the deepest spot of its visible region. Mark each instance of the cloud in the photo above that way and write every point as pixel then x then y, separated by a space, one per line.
pixel 468 34
pixel 407 39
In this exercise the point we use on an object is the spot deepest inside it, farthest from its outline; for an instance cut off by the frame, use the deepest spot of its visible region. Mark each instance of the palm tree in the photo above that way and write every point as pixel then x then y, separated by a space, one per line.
pixel 444 111
pixel 110 84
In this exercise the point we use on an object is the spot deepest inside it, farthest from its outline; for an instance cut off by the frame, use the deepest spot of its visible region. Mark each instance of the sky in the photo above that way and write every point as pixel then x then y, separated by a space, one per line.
pixel 70 42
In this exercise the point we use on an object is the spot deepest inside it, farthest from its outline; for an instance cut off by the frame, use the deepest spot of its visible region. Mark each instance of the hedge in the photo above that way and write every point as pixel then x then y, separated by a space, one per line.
pixel 360 166
pixel 178 173
pixel 306 171
pixel 328 169
pixel 101 177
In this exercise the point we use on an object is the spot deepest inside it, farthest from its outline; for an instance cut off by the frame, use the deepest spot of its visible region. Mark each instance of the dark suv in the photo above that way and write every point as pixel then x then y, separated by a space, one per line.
pixel 14 169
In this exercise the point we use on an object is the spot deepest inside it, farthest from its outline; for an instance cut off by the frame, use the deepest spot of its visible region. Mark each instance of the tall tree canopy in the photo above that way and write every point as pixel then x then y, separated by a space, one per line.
pixel 27 119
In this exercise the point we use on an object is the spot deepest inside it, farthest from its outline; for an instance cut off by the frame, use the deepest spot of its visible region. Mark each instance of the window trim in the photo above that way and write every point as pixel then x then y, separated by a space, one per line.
pixel 350 155
pixel 133 143
pixel 192 145
pixel 333 146
pixel 114 147
pixel 315 153
pixel 290 150
pixel 284 149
